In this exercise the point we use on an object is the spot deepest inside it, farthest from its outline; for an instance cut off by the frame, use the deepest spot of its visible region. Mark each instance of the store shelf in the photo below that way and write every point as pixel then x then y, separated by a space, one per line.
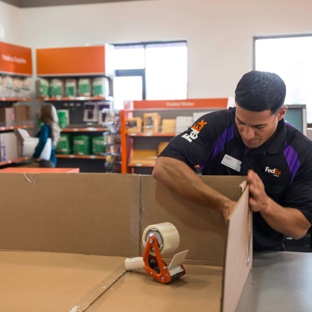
pixel 141 164
pixel 132 142
pixel 75 98
pixel 87 129
pixel 14 161
pixel 6 128
pixel 15 99
pixel 152 134
pixel 80 156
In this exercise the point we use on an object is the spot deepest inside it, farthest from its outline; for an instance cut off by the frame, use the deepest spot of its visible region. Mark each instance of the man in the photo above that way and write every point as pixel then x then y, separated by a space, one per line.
pixel 251 139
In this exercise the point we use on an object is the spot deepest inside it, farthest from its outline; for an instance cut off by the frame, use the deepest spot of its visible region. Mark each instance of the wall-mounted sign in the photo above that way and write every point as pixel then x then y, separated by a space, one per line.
pixel 15 60
pixel 73 61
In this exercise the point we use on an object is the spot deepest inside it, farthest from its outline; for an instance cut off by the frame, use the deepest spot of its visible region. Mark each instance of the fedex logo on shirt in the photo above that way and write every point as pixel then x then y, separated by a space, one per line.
pixel 196 128
pixel 276 172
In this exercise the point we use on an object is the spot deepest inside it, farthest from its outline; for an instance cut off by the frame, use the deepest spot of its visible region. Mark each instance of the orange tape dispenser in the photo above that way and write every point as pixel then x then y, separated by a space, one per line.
pixel 159 239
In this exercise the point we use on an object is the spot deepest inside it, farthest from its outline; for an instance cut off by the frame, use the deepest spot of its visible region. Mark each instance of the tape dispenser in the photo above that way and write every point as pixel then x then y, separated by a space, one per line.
pixel 159 239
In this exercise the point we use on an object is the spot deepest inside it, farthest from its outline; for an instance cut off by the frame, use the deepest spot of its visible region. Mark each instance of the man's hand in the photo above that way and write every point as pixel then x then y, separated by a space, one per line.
pixel 258 200
pixel 228 208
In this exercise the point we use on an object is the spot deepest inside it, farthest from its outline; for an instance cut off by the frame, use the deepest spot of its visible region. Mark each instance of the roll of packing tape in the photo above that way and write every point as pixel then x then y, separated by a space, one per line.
pixel 167 236
pixel 133 264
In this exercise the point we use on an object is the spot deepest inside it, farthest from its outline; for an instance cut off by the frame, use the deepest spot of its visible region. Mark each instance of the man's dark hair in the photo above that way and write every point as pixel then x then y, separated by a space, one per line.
pixel 258 91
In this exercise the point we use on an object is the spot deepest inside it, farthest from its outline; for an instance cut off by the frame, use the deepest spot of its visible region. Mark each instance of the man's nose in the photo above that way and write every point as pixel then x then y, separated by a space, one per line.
pixel 248 133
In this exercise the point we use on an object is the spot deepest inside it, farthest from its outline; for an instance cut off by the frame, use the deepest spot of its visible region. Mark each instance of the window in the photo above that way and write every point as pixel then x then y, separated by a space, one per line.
pixel 152 71
pixel 289 57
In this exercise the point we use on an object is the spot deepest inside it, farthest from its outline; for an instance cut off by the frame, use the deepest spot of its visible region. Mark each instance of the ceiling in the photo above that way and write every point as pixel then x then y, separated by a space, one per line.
pixel 45 3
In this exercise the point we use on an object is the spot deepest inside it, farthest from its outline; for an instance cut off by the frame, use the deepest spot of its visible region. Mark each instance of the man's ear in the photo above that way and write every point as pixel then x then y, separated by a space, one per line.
pixel 281 113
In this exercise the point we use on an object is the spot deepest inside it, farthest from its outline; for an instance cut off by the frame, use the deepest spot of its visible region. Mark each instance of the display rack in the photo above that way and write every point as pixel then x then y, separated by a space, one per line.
pixel 147 142
pixel 75 63
pixel 15 64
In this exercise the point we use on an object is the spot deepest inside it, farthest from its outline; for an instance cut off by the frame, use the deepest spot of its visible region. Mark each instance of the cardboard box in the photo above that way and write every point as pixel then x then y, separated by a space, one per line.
pixel 7 115
pixel 8 142
pixel 151 122
pixel 140 157
pixel 64 240
pixel 22 112
pixel 134 125
pixel 168 125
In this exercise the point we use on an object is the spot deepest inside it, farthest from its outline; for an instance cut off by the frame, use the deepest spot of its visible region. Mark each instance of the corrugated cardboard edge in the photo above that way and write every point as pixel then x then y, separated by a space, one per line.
pixel 98 290
pixel 238 255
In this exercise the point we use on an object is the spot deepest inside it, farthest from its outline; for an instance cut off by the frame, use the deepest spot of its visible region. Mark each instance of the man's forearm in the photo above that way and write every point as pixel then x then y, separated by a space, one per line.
pixel 177 176
pixel 288 221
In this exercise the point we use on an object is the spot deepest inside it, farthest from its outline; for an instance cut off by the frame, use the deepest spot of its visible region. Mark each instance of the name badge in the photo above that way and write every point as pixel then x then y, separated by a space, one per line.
pixel 231 162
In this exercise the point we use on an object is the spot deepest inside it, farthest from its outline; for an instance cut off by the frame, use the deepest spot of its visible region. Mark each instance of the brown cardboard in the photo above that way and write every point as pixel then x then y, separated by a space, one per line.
pixel 6 115
pixel 83 215
pixel 38 281
pixel 201 228
pixel 145 157
pixel 134 125
pixel 238 261
pixel 103 216
pixel 22 112
pixel 198 290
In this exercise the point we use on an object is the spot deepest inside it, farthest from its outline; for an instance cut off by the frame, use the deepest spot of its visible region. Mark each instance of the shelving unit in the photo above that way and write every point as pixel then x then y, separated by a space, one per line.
pixel 148 141
pixel 88 62
pixel 15 73
pixel 14 161
pixel 15 99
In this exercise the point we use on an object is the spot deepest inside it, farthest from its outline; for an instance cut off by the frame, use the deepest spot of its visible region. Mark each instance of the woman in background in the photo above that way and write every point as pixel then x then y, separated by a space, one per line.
pixel 49 129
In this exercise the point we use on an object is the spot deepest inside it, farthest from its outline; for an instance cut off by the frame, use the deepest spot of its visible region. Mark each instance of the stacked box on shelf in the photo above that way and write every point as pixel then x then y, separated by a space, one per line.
pixel 82 145
pixel 63 117
pixel 98 147
pixel 64 144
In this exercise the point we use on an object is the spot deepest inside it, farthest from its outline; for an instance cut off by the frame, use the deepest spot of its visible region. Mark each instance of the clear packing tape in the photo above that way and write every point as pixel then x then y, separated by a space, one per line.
pixel 159 239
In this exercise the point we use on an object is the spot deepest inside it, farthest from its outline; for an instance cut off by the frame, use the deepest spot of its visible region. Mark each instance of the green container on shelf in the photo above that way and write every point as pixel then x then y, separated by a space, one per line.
pixel 64 144
pixel 63 116
pixel 98 147
pixel 82 145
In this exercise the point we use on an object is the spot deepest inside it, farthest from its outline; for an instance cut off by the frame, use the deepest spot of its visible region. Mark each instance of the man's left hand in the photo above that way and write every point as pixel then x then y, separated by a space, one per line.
pixel 258 198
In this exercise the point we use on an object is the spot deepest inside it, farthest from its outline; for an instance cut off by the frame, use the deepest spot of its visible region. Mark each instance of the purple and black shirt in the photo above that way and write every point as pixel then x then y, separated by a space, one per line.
pixel 284 163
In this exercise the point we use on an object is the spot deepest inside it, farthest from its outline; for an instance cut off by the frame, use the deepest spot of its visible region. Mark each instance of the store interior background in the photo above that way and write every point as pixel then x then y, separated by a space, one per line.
pixel 219 33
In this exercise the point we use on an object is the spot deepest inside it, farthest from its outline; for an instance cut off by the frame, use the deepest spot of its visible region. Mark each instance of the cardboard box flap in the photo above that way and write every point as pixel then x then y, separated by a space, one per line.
pixel 39 281
pixel 60 213
pixel 21 134
pixel 238 257
pixel 202 230
pixel 198 290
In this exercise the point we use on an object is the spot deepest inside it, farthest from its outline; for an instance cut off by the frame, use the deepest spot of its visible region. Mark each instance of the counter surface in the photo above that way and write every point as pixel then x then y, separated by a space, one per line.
pixel 279 282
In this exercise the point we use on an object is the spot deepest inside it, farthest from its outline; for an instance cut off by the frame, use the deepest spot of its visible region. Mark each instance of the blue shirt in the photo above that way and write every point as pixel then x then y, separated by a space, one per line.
pixel 43 135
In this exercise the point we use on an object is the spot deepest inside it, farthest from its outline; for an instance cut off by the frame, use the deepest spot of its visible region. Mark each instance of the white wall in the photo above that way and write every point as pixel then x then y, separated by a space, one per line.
pixel 219 32
pixel 10 24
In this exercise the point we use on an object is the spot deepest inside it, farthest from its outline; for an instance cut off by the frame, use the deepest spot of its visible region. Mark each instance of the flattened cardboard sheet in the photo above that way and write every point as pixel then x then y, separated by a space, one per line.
pixel 198 290
pixel 238 261
pixel 89 214
pixel 38 281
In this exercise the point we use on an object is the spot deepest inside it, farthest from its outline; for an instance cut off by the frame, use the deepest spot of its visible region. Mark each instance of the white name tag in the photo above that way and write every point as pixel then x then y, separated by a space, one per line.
pixel 231 162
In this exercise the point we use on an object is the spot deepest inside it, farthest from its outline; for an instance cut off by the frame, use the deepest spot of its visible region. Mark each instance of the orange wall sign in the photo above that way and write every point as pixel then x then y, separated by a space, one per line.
pixel 177 104
pixel 71 61
pixel 15 60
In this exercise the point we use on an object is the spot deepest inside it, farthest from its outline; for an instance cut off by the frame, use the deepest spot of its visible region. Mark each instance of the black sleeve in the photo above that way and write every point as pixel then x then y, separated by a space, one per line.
pixel 193 146
pixel 299 193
